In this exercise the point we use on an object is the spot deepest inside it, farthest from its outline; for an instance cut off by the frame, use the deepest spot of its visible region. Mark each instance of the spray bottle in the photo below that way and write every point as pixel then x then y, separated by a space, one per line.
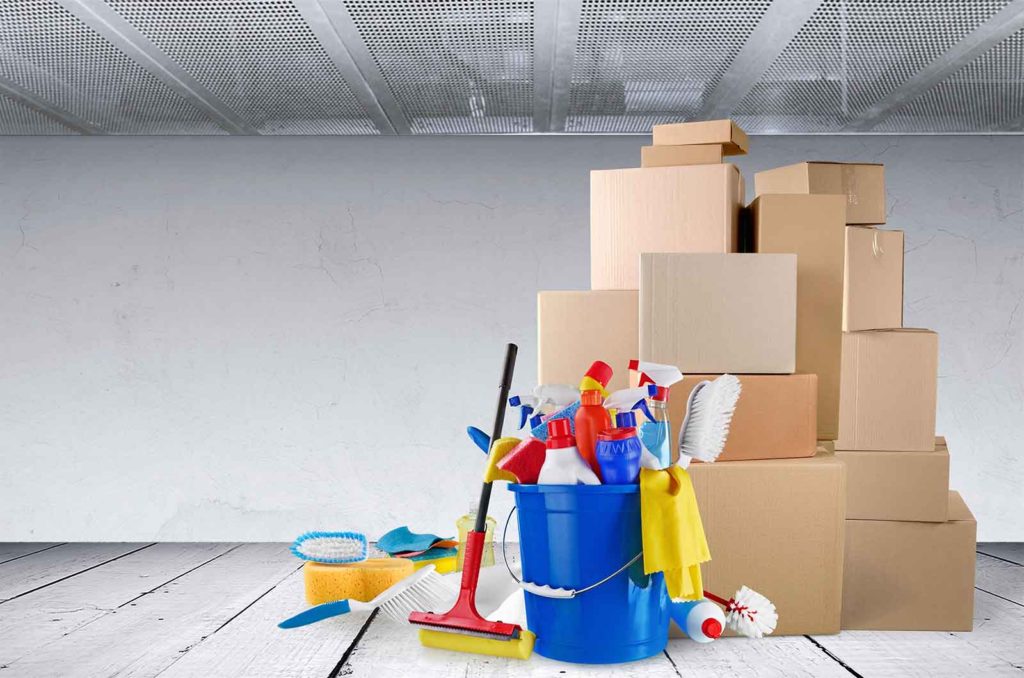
pixel 656 433
pixel 563 464
pixel 557 396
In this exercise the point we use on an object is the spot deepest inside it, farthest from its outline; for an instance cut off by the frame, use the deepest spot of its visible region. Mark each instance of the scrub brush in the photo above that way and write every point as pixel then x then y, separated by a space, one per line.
pixel 748 613
pixel 425 587
pixel 708 415
pixel 331 548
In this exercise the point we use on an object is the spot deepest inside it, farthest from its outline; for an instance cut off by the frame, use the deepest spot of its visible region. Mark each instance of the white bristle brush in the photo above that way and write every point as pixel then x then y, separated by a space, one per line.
pixel 748 613
pixel 708 415
pixel 425 589
pixel 331 547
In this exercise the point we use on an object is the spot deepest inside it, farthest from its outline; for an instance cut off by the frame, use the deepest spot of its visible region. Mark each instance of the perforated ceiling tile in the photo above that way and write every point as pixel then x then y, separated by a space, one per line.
pixel 257 56
pixel 638 64
pixel 51 53
pixel 17 119
pixel 455 66
pixel 985 95
pixel 850 55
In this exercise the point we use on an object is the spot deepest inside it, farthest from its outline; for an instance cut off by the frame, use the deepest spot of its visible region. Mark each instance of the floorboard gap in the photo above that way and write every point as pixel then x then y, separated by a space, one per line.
pixel 674 667
pixel 1005 560
pixel 355 641
pixel 833 657
pixel 1009 600
pixel 176 577
pixel 26 555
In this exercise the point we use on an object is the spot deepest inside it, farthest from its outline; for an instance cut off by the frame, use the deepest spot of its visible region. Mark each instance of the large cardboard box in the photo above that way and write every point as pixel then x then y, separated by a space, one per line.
pixel 576 328
pixel 670 156
pixel 774 418
pixel 888 391
pixel 725 132
pixel 812 227
pixel 863 185
pixel 911 576
pixel 873 288
pixel 897 485
pixel 778 527
pixel 711 313
pixel 659 209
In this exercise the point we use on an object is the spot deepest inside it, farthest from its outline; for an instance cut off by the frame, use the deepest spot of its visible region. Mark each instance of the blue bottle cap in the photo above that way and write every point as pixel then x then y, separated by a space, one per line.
pixel 625 419
pixel 514 401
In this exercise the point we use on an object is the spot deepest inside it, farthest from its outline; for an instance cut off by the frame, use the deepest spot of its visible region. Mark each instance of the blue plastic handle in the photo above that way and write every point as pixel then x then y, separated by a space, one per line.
pixel 479 438
pixel 315 614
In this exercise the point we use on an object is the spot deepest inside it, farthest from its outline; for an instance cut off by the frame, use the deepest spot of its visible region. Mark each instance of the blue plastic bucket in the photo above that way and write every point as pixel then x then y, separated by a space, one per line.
pixel 572 536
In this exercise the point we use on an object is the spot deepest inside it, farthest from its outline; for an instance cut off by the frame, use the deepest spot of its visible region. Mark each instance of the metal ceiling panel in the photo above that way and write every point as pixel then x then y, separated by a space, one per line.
pixel 18 119
pixel 51 53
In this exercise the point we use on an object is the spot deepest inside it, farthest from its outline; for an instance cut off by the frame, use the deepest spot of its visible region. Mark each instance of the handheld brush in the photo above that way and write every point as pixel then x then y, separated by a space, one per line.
pixel 708 415
pixel 462 628
pixel 331 548
pixel 748 613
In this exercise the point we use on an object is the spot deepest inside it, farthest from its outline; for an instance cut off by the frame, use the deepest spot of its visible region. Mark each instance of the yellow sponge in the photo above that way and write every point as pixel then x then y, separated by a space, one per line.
pixel 355 581
pixel 520 648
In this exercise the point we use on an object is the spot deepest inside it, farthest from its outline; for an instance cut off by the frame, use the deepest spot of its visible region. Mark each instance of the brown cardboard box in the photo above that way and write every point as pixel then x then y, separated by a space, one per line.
pixel 812 227
pixel 669 156
pixel 873 287
pixel 573 331
pixel 658 209
pixel 725 132
pixel 862 184
pixel 906 576
pixel 888 390
pixel 774 418
pixel 897 485
pixel 711 313
pixel 778 527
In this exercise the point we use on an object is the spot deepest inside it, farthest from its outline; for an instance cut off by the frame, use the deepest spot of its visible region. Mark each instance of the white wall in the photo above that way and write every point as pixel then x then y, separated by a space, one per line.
pixel 246 338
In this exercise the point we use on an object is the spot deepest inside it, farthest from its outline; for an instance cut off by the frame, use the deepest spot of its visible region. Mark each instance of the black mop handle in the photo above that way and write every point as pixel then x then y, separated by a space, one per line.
pixel 499 423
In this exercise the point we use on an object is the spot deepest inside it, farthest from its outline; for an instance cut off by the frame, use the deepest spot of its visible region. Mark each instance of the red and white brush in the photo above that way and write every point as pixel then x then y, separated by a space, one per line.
pixel 748 613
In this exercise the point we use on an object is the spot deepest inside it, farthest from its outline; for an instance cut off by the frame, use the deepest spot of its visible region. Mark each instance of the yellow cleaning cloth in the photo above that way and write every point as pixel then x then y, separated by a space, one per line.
pixel 673 534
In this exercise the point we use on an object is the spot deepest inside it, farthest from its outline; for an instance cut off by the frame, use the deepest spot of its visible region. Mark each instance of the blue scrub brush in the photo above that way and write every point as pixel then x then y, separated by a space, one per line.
pixel 331 548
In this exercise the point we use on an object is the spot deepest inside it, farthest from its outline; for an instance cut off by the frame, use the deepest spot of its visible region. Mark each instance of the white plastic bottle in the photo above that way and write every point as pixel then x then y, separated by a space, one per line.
pixel 563 464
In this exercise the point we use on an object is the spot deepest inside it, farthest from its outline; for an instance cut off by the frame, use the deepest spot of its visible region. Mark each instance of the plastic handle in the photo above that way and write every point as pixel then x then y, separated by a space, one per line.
pixel 545 591
pixel 315 614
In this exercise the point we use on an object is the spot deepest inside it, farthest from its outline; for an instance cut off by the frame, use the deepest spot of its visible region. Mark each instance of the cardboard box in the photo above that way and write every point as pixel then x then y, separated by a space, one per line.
pixel 778 527
pixel 812 227
pixel 576 328
pixel 774 418
pixel 670 156
pixel 897 485
pixel 659 209
pixel 725 132
pixel 888 391
pixel 873 287
pixel 905 576
pixel 712 313
pixel 863 185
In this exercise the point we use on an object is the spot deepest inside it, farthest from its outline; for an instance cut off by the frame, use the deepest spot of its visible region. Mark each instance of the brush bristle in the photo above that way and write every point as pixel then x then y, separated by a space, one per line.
pixel 707 421
pixel 430 593
pixel 331 547
pixel 750 614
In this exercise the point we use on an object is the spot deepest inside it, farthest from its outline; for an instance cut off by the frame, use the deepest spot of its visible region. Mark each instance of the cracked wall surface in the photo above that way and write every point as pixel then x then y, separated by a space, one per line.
pixel 245 338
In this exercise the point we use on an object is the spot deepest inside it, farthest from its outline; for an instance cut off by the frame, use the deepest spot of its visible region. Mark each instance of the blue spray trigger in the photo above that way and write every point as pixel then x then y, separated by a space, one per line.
pixel 642 406
pixel 479 438
pixel 524 415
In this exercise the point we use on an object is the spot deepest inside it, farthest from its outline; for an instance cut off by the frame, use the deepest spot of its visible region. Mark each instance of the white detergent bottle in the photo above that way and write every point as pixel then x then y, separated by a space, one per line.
pixel 563 464
pixel 701 620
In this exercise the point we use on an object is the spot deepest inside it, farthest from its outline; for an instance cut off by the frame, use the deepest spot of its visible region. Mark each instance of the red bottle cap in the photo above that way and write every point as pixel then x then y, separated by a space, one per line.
pixel 600 372
pixel 616 433
pixel 661 394
pixel 560 434
pixel 591 398
pixel 712 628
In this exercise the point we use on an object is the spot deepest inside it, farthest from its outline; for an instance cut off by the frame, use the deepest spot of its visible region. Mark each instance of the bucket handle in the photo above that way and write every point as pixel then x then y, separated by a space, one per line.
pixel 545 591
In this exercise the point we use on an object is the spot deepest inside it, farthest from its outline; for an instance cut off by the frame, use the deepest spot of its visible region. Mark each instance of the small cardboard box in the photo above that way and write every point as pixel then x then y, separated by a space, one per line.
pixel 576 328
pixel 812 227
pixel 873 287
pixel 733 139
pixel 897 485
pixel 911 576
pixel 671 156
pixel 713 313
pixel 778 527
pixel 693 208
pixel 888 391
pixel 863 185
pixel 774 418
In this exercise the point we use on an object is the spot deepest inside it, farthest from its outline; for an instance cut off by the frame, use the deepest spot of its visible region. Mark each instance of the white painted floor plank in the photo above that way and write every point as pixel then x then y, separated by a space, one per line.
pixel 45 567
pixel 1011 552
pixel 11 550
pixel 1001 578
pixel 252 645
pixel 145 638
pixel 28 622
pixel 764 658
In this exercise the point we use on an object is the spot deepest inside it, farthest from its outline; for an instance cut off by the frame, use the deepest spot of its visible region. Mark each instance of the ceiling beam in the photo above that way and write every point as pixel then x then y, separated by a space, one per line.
pixel 101 18
pixel 1000 26
pixel 777 28
pixel 337 33
pixel 44 107
pixel 566 35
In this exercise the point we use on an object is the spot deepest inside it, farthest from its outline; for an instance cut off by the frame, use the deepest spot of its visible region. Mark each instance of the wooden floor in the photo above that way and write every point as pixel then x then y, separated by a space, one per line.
pixel 212 609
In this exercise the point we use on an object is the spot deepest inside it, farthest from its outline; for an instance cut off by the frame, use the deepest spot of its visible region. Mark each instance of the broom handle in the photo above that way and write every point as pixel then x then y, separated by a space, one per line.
pixel 499 422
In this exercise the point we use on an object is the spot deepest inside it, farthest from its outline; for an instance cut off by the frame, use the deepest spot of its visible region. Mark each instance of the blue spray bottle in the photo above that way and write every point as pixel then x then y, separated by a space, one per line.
pixel 656 433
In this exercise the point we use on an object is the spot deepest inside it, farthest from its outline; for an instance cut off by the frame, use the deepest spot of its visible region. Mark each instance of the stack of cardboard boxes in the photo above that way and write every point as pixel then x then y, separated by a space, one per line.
pixel 800 295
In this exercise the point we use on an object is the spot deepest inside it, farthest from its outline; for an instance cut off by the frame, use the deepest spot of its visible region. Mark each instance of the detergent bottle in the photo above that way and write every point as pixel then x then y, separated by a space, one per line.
pixel 591 418
pixel 701 620
pixel 619 452
pixel 627 419
pixel 563 464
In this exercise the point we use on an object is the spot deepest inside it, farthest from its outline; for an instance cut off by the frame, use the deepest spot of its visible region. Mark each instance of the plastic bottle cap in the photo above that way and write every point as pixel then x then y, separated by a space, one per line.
pixel 625 419
pixel 616 433
pixel 600 371
pixel 591 398
pixel 560 434
pixel 711 628
pixel 634 365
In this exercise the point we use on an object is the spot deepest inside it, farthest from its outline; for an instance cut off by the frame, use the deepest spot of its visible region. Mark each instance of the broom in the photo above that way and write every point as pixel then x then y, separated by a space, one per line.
pixel 462 628
pixel 748 613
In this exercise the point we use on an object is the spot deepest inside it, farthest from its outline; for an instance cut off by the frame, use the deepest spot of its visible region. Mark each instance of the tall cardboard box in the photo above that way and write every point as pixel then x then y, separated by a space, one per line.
pixel 812 227
pixel 659 209
pixel 888 393
pixel 669 156
pixel 576 328
pixel 725 132
pixel 778 527
pixel 774 418
pixel 873 284
pixel 712 313
pixel 897 485
pixel 911 576
pixel 863 184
